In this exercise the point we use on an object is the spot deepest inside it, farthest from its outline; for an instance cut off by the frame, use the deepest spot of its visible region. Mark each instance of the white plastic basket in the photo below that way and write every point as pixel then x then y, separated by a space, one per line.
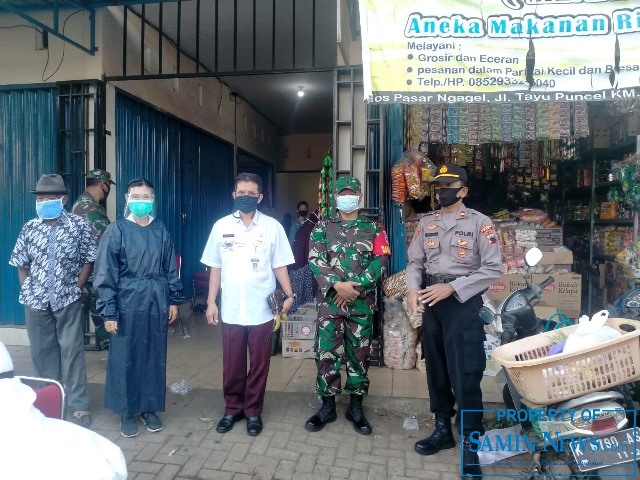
pixel 543 379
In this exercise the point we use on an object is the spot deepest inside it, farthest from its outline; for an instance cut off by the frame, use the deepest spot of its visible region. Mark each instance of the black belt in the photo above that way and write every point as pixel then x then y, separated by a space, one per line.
pixel 428 279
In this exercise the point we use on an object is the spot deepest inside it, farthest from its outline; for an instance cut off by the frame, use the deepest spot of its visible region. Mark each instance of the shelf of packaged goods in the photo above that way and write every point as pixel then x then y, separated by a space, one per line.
pixel 618 221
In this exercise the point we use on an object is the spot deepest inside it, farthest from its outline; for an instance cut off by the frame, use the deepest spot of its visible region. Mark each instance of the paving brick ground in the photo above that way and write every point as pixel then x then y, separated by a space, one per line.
pixel 190 448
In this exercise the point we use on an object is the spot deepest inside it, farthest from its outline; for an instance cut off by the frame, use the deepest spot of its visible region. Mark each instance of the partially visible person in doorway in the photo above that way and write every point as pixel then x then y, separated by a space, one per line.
pixel 286 222
pixel 303 282
pixel 349 254
pixel 34 446
pixel 98 186
pixel 54 254
pixel 138 292
pixel 247 252
pixel 303 210
pixel 301 243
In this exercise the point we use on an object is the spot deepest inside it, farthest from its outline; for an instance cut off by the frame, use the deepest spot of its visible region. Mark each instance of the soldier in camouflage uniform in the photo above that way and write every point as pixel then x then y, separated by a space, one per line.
pixel 348 255
pixel 88 206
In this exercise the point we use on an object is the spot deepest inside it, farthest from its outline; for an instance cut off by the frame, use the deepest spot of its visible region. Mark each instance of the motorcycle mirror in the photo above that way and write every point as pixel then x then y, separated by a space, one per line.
pixel 533 257
pixel 487 315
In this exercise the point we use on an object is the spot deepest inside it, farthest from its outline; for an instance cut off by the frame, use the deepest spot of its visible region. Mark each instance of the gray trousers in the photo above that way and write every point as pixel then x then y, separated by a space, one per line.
pixel 57 350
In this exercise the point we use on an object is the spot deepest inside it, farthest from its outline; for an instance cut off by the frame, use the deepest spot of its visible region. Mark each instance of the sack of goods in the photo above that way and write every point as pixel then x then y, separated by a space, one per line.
pixel 400 338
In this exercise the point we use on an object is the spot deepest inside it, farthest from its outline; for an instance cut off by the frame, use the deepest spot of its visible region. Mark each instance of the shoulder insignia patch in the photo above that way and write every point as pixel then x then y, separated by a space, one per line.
pixel 491 238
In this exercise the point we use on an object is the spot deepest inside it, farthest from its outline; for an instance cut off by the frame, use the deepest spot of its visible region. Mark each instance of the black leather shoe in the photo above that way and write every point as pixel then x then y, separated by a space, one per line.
pixel 470 461
pixel 227 422
pixel 440 439
pixel 326 414
pixel 254 426
pixel 356 416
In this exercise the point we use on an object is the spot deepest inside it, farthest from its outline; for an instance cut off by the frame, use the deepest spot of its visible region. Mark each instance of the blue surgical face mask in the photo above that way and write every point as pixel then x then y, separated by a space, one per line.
pixel 49 209
pixel 347 203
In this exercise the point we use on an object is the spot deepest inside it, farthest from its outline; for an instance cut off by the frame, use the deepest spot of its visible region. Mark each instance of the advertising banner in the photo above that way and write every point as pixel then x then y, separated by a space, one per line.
pixel 447 51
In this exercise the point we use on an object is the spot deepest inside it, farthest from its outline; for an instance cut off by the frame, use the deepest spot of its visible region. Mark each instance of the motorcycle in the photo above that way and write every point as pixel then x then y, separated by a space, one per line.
pixel 515 319
pixel 627 305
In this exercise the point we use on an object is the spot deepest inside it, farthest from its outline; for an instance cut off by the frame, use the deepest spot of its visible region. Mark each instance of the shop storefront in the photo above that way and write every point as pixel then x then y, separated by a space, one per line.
pixel 541 105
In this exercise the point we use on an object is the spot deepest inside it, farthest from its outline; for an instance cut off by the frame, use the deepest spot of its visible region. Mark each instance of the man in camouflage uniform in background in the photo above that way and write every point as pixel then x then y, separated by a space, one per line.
pixel 88 206
pixel 349 253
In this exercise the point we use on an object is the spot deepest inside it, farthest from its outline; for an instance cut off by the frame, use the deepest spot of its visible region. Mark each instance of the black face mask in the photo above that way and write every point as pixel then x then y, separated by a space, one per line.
pixel 106 192
pixel 447 196
pixel 245 203
pixel 302 213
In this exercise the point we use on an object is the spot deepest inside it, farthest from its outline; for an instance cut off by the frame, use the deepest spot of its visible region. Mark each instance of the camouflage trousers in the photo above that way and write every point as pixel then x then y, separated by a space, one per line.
pixel 89 310
pixel 339 340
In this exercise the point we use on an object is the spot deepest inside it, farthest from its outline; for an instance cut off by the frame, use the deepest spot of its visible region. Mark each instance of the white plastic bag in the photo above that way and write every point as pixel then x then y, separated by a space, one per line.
pixel 488 456
pixel 590 333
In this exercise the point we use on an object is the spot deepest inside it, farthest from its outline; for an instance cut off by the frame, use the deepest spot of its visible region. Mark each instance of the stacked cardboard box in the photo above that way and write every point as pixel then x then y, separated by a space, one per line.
pixel 554 258
pixel 549 237
pixel 559 258
pixel 565 293
pixel 299 333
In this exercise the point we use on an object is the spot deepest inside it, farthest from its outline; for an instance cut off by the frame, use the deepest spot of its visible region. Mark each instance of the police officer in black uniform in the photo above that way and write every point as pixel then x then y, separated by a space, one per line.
pixel 453 258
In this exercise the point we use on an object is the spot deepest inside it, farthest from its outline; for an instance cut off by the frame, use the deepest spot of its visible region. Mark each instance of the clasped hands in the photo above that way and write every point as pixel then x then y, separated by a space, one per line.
pixel 430 295
pixel 346 293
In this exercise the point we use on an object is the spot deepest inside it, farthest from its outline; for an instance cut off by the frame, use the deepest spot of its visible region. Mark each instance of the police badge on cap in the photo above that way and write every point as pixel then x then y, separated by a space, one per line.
pixel 450 173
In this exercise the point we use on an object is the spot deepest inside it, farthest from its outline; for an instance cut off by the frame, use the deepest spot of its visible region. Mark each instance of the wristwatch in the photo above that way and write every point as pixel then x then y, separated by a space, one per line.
pixel 290 295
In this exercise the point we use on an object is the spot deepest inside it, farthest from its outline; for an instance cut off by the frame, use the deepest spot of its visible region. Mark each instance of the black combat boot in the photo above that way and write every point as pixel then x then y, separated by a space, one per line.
pixel 356 416
pixel 441 438
pixel 470 461
pixel 326 414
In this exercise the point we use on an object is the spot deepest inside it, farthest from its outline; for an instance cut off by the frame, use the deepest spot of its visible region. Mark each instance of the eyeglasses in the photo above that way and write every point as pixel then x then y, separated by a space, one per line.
pixel 135 197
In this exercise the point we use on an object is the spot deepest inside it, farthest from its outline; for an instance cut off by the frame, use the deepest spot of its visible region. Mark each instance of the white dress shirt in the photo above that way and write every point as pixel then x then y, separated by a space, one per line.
pixel 247 257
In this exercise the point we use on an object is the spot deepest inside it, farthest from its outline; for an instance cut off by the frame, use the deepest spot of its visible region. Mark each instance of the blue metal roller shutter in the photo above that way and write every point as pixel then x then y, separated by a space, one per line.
pixel 207 176
pixel 148 145
pixel 191 170
pixel 28 126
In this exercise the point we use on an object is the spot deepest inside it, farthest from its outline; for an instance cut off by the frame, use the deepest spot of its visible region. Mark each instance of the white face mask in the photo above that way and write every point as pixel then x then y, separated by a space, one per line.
pixel 347 203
